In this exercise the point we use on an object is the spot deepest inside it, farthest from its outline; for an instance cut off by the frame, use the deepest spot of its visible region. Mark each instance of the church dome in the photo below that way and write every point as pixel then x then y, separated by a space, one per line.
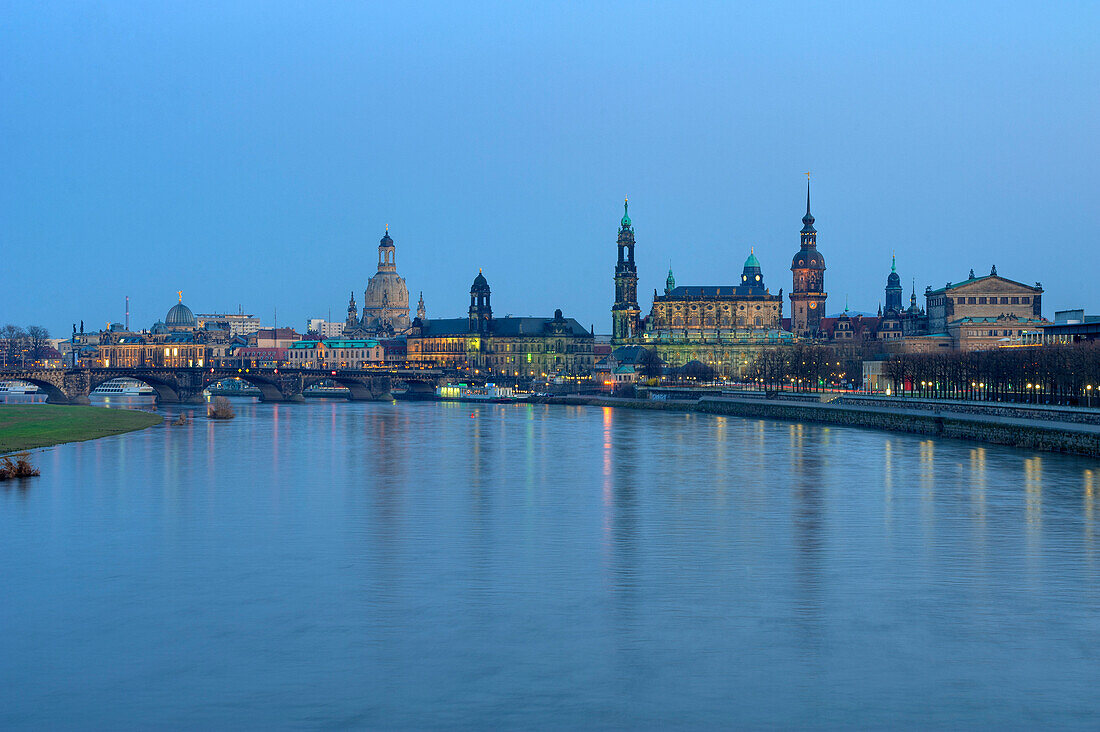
pixel 180 316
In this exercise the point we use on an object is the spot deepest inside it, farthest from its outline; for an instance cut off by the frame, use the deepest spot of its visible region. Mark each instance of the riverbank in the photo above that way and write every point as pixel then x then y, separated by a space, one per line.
pixel 27 426
pixel 1034 434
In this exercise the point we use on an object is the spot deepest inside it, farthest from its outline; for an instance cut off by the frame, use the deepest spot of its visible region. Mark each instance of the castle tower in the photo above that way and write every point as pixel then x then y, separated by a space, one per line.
pixel 625 312
pixel 481 309
pixel 893 288
pixel 670 282
pixel 808 273
pixel 420 311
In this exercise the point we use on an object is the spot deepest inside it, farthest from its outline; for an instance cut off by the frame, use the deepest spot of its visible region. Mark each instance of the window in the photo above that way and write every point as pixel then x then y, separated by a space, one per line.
pixel 981 301
pixel 1004 301
pixel 972 301
pixel 1015 301
pixel 1025 300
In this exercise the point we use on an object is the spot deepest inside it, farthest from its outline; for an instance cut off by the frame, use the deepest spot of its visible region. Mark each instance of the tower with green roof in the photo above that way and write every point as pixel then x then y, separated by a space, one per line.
pixel 893 288
pixel 625 312
pixel 751 275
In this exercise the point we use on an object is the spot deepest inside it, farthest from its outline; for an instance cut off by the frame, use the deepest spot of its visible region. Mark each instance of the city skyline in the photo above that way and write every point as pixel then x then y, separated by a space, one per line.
pixel 151 170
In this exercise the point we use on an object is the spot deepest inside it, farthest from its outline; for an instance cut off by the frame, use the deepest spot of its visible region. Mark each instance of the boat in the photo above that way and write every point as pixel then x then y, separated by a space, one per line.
pixel 17 387
pixel 467 393
pixel 124 387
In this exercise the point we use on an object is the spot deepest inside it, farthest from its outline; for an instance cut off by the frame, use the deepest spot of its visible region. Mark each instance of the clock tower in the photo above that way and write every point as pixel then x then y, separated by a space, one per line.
pixel 808 269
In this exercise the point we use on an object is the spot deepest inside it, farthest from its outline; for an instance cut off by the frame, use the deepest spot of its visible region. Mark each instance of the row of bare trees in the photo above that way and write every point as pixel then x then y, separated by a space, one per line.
pixel 1052 374
pixel 804 367
pixel 19 345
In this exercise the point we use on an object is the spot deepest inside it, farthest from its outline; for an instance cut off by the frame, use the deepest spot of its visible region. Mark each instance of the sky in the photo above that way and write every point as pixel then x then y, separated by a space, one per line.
pixel 251 154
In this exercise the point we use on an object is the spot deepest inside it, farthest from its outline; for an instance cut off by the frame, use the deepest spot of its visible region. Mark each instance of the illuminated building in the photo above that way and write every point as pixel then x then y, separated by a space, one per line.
pixel 509 346
pixel 722 326
pixel 335 353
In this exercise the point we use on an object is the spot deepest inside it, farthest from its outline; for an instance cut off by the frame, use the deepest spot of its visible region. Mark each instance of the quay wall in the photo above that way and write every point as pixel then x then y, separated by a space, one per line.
pixel 1043 435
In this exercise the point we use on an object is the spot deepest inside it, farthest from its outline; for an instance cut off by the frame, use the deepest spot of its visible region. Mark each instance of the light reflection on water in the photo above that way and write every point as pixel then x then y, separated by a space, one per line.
pixel 444 564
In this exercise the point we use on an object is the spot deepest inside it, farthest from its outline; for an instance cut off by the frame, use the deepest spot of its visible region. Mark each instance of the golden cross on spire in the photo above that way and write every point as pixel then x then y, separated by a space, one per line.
pixel 180 293
pixel 387 228
pixel 807 175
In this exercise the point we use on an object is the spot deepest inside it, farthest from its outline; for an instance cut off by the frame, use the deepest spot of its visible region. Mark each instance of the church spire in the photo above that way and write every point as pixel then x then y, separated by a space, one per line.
pixel 808 219
pixel 626 212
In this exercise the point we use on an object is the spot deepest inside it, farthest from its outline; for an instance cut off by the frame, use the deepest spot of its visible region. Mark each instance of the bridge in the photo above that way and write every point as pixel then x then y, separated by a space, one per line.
pixel 185 385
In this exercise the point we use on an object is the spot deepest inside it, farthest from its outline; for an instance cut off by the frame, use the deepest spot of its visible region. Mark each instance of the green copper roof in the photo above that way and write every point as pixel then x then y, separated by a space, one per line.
pixel 626 214
pixel 893 263
pixel 752 261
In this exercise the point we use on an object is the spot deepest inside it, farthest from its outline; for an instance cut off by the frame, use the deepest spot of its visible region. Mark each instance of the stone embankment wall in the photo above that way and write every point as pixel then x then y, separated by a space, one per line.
pixel 1031 434
pixel 1000 409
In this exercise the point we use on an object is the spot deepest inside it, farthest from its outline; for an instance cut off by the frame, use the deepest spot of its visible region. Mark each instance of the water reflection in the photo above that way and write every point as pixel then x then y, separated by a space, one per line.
pixel 428 565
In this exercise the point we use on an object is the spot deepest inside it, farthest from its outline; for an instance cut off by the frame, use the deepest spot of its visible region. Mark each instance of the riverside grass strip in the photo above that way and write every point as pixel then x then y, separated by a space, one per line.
pixel 29 426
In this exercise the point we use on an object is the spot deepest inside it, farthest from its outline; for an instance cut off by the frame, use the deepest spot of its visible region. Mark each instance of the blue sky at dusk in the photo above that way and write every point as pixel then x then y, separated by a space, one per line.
pixel 252 153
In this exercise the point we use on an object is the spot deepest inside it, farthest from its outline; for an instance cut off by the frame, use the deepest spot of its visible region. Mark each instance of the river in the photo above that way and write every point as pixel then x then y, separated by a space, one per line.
pixel 442 565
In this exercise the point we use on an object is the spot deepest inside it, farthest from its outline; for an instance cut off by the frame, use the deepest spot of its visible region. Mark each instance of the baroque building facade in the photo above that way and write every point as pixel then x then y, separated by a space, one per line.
pixel 722 326
pixel 508 347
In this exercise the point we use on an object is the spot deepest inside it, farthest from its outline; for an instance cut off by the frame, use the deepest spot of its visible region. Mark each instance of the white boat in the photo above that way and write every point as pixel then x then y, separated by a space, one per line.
pixel 17 387
pixel 466 393
pixel 124 387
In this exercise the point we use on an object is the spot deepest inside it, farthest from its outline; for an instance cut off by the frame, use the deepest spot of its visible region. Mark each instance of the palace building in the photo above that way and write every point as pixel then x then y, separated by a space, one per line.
pixel 505 347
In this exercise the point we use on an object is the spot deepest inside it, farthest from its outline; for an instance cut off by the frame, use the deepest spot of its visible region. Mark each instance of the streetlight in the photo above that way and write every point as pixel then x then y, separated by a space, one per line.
pixel 1088 390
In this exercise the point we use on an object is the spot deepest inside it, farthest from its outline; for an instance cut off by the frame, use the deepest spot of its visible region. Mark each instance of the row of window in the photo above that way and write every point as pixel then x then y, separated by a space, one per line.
pixel 994 301
pixel 678 308
pixel 982 300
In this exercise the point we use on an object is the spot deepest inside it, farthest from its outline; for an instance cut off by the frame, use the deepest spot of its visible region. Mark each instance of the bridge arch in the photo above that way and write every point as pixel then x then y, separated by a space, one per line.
pixel 269 391
pixel 359 390
pixel 167 393
pixel 54 393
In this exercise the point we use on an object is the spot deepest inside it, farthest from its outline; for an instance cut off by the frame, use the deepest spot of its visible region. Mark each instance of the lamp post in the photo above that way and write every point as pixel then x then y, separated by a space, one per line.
pixel 1088 391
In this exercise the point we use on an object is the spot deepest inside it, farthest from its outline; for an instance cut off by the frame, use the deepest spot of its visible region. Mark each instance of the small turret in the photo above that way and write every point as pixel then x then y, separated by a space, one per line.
pixel 751 275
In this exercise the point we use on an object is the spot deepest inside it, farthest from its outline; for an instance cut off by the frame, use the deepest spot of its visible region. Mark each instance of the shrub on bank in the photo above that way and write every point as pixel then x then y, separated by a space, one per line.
pixel 20 467
pixel 220 408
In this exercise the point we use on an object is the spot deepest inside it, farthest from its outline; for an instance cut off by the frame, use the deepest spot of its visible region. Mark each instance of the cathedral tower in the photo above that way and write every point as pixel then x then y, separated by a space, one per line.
pixel 893 288
pixel 808 268
pixel 625 311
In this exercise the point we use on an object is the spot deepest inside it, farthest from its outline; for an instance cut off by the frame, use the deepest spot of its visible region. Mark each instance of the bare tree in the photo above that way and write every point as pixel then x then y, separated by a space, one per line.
pixel 37 340
pixel 650 363
pixel 14 342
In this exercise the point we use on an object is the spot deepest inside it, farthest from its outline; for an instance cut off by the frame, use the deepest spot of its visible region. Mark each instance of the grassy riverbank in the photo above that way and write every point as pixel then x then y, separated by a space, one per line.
pixel 27 426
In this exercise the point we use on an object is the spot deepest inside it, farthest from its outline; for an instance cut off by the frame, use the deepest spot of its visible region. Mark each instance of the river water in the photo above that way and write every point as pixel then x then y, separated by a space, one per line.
pixel 441 565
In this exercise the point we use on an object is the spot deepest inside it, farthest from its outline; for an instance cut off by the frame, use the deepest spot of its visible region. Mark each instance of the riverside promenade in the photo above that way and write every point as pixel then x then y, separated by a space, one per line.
pixel 1050 429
